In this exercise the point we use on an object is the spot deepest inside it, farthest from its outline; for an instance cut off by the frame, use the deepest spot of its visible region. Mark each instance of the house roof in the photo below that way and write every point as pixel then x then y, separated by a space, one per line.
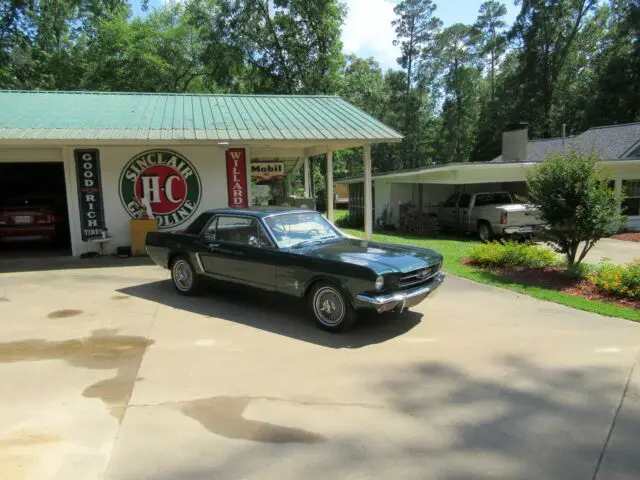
pixel 610 142
pixel 36 115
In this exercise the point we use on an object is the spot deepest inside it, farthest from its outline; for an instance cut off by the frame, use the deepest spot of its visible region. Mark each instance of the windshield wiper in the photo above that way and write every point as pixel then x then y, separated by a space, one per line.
pixel 312 240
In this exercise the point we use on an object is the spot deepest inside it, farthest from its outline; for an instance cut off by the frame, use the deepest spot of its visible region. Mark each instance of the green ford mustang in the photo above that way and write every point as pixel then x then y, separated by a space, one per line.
pixel 299 253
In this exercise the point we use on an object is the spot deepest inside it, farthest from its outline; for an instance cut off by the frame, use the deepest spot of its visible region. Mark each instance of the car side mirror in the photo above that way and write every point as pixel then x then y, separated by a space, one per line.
pixel 253 241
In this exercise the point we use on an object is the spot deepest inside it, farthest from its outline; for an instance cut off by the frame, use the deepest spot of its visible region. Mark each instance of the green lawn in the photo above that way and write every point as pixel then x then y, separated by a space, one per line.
pixel 455 250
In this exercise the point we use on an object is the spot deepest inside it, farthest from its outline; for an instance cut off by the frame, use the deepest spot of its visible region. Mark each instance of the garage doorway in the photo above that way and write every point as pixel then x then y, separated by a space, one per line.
pixel 34 219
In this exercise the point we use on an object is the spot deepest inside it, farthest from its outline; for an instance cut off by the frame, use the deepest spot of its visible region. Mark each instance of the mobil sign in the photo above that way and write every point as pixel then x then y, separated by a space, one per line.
pixel 267 170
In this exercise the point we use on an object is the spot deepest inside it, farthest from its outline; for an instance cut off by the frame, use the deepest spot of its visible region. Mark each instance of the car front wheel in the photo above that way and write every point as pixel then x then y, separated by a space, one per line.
pixel 331 309
pixel 184 277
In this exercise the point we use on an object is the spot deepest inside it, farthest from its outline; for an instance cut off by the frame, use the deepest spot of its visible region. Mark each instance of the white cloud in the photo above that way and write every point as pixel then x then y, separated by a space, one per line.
pixel 367 31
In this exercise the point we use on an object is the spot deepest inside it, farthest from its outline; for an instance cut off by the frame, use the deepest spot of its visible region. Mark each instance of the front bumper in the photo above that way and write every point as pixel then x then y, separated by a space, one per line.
pixel 399 300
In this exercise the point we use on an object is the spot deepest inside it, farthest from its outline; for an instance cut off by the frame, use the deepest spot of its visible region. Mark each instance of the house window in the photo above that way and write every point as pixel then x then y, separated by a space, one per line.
pixel 631 204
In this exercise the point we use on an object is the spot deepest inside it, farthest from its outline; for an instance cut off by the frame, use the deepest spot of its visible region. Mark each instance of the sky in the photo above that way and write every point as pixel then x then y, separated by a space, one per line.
pixel 367 31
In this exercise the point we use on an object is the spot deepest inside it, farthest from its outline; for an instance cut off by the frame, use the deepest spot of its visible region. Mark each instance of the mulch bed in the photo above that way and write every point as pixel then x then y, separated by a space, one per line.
pixel 628 236
pixel 554 278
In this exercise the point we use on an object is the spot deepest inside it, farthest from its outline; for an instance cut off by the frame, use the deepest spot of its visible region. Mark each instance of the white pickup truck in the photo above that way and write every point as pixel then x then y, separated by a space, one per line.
pixel 488 214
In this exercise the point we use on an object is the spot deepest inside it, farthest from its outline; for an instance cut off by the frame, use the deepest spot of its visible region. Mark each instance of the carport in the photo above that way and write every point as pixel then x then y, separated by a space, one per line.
pixel 617 146
pixel 179 154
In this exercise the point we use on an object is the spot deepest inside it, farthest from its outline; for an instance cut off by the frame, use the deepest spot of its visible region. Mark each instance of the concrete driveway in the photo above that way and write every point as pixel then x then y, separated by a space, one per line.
pixel 610 250
pixel 107 373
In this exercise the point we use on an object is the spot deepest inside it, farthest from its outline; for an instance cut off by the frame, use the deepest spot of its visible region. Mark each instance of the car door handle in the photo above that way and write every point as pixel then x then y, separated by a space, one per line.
pixel 211 246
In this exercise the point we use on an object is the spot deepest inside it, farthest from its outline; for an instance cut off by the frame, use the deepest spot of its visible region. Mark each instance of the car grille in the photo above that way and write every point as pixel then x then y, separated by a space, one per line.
pixel 416 277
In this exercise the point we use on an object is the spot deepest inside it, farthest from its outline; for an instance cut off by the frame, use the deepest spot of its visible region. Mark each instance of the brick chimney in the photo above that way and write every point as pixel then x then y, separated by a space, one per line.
pixel 514 142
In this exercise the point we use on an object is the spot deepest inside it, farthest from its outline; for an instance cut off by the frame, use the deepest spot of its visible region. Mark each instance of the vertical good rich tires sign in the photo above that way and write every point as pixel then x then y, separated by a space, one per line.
pixel 89 193
pixel 237 178
pixel 166 182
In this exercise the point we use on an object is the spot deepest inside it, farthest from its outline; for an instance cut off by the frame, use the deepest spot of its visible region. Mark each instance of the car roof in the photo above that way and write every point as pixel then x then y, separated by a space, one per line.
pixel 260 212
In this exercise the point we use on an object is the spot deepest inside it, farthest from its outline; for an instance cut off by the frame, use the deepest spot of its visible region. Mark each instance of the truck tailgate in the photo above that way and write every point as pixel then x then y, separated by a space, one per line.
pixel 519 214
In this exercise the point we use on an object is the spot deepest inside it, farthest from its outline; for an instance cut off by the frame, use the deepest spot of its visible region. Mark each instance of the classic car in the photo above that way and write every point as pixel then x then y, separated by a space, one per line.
pixel 27 218
pixel 299 253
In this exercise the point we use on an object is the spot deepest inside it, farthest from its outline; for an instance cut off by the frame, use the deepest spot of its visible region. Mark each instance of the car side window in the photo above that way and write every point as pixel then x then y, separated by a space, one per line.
pixel 465 199
pixel 241 230
pixel 451 201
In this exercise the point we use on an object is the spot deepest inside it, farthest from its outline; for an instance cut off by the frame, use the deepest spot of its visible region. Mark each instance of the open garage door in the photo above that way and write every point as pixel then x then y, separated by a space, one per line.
pixel 34 220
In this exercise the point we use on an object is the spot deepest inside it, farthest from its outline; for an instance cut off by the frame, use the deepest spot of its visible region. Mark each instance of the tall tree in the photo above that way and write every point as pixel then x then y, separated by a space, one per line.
pixel 461 83
pixel 415 27
pixel 546 31
pixel 291 46
pixel 161 53
pixel 43 42
pixel 489 33
pixel 616 89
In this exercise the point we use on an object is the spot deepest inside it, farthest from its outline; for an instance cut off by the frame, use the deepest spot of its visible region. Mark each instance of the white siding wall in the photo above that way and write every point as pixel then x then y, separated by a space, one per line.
pixel 434 193
pixel 207 160
pixel 382 197
pixel 399 192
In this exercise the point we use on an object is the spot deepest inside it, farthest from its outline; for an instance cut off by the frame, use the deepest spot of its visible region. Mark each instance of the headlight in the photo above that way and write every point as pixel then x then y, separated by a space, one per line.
pixel 379 283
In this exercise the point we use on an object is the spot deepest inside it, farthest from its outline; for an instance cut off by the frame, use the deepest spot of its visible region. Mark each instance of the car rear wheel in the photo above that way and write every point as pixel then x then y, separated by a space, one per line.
pixel 184 277
pixel 331 309
pixel 485 234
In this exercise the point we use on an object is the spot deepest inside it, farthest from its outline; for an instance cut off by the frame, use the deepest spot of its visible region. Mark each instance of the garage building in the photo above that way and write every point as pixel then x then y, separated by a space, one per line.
pixel 99 160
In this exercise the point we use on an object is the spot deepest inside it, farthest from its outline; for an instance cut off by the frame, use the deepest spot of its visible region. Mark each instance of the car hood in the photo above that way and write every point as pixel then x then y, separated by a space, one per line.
pixel 380 257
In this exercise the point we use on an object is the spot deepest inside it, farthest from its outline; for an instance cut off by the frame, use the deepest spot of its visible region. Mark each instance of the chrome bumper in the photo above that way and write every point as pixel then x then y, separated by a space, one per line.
pixel 399 300
pixel 521 229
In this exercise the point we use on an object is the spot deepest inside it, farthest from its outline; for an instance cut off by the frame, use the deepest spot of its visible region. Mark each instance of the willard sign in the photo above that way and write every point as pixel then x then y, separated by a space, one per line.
pixel 237 177
pixel 166 181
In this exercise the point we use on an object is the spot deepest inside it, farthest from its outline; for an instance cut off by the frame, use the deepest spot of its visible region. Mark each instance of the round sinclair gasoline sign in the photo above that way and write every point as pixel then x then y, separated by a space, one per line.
pixel 167 181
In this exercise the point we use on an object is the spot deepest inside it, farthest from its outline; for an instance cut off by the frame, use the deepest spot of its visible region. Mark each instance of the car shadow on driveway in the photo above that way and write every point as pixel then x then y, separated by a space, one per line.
pixel 275 313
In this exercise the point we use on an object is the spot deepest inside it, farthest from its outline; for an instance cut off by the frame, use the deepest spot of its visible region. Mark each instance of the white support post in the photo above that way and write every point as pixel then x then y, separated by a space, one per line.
pixel 307 178
pixel 368 204
pixel 330 198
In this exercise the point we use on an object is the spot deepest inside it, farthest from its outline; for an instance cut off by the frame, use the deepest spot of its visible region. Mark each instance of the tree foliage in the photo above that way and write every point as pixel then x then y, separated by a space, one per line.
pixel 562 62
pixel 575 200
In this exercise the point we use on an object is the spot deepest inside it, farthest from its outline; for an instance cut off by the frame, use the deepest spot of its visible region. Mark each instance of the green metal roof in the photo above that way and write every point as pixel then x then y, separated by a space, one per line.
pixel 35 115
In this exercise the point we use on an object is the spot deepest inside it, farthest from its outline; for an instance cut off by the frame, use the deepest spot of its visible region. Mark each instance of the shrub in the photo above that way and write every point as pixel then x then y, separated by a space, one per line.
pixel 347 222
pixel 512 254
pixel 574 200
pixel 619 280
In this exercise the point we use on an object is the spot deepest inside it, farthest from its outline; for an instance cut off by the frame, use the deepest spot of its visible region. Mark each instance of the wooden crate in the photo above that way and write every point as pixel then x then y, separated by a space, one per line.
pixel 139 230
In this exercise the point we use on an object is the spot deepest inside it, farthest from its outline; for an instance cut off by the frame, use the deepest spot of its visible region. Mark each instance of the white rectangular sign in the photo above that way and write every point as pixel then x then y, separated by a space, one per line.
pixel 267 170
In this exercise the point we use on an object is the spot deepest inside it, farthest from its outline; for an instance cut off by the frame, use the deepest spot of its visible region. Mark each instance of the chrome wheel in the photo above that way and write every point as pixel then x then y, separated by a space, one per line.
pixel 182 275
pixel 329 307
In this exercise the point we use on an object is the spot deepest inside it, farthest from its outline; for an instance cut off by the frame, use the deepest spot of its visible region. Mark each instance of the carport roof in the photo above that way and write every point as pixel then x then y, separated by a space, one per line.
pixel 36 115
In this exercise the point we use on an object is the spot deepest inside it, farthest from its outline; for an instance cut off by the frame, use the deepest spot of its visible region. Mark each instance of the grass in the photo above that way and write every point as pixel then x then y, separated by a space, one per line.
pixel 455 250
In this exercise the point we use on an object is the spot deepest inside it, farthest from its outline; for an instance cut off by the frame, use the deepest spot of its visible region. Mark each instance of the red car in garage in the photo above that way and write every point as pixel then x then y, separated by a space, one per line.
pixel 28 218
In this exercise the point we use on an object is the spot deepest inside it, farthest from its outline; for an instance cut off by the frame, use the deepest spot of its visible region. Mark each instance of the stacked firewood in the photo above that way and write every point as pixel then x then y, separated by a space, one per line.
pixel 415 222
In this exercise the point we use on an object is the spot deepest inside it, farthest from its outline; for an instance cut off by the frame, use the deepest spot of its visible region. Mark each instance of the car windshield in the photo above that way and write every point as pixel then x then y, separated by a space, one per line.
pixel 296 229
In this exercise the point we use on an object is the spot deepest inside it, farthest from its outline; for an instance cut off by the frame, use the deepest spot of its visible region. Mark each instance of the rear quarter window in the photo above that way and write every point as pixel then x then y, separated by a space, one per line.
pixel 483 199
pixel 198 224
